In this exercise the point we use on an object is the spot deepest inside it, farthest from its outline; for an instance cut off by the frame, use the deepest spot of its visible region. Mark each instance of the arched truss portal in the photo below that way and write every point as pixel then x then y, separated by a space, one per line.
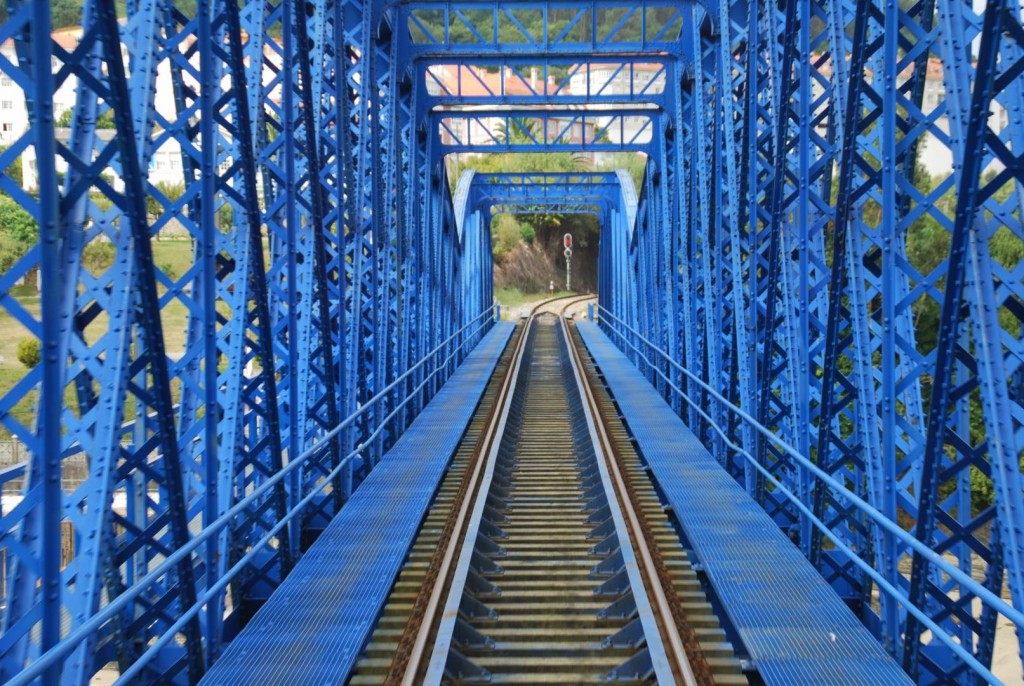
pixel 584 193
pixel 562 207
pixel 604 194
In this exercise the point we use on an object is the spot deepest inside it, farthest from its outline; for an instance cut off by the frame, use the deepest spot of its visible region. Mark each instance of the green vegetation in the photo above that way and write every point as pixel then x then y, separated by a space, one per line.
pixel 14 172
pixel 16 222
pixel 527 233
pixel 66 13
pixel 11 251
pixel 104 121
pixel 171 255
pixel 173 193
pixel 18 232
pixel 63 13
pixel 513 298
pixel 28 352
pixel 98 256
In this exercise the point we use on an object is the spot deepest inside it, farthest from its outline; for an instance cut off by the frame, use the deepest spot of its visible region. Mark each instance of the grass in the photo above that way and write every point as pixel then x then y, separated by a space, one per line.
pixel 174 256
pixel 511 299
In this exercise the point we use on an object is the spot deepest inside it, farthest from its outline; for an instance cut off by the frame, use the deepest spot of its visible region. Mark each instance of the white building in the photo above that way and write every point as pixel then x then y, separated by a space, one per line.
pixel 13 112
pixel 165 162
pixel 934 155
pixel 484 129
pixel 629 80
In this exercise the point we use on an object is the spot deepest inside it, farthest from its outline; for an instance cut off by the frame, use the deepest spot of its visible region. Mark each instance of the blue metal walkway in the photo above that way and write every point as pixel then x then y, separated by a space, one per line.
pixel 314 626
pixel 793 625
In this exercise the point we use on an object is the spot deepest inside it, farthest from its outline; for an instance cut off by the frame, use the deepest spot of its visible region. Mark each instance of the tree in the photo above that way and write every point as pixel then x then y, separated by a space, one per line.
pixel 98 256
pixel 104 121
pixel 13 172
pixel 65 13
pixel 518 131
pixel 171 191
pixel 16 223
pixel 10 252
pixel 18 233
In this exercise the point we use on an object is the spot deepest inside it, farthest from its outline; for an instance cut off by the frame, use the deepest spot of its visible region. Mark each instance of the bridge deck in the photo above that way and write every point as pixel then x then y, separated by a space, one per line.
pixel 794 627
pixel 312 628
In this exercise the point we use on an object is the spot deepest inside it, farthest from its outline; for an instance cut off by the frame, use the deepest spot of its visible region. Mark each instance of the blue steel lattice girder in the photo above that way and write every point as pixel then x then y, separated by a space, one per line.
pixel 970 271
pixel 29 26
pixel 240 118
pixel 133 302
pixel 592 193
pixel 847 251
pixel 733 220
pixel 876 429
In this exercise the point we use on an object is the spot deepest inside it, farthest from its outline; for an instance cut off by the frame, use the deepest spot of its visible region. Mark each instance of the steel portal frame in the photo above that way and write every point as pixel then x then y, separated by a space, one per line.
pixel 330 260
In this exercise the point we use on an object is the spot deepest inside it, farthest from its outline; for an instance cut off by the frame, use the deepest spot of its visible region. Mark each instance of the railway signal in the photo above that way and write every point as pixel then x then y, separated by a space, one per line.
pixel 567 242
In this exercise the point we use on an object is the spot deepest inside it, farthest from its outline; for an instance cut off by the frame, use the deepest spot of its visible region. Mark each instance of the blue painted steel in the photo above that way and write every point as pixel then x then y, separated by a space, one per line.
pixel 176 438
pixel 795 629
pixel 314 627
pixel 460 81
pixel 782 251
pixel 795 278
pixel 440 358
pixel 574 27
pixel 526 130
pixel 567 193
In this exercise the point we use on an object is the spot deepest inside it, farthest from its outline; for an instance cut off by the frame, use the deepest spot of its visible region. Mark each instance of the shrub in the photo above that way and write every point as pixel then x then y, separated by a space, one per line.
pixel 16 222
pixel 29 353
pixel 527 232
pixel 11 251
pixel 98 256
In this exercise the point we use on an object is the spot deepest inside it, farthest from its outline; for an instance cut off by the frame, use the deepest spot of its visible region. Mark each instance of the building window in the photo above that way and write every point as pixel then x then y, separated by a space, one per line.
pixel 6 82
pixel 7 104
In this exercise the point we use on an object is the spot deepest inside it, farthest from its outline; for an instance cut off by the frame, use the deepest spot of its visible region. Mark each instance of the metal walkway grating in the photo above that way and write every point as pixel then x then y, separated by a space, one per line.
pixel 795 628
pixel 312 628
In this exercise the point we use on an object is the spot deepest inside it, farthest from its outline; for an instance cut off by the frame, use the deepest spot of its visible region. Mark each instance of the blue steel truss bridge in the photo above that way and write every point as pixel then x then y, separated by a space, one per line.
pixel 274 428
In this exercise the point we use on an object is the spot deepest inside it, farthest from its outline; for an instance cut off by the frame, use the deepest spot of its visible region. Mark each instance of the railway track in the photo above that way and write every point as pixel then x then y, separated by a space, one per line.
pixel 546 557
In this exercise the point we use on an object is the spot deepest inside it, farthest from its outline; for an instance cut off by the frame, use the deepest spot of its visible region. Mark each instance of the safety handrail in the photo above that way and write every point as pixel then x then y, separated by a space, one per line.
pixel 52 657
pixel 965 580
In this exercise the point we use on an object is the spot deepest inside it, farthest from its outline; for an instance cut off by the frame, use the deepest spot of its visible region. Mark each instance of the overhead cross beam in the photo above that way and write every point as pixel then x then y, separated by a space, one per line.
pixel 524 81
pixel 592 27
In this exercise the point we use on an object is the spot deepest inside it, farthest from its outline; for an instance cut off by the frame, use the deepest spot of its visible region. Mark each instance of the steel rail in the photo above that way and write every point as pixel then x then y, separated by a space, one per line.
pixel 840 490
pixel 883 584
pixel 490 444
pixel 659 601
